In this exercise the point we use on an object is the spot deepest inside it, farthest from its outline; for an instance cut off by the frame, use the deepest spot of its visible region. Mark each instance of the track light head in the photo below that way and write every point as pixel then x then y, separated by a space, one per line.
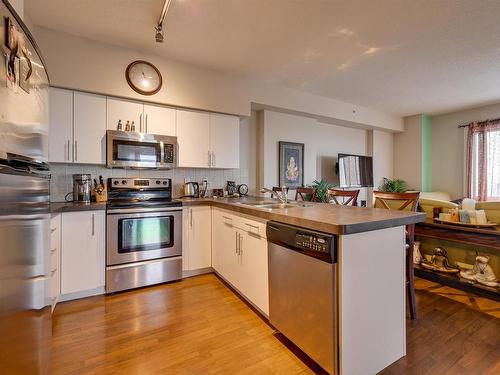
pixel 159 34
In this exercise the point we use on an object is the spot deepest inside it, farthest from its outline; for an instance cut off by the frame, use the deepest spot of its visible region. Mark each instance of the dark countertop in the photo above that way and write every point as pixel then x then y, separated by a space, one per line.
pixel 322 217
pixel 57 207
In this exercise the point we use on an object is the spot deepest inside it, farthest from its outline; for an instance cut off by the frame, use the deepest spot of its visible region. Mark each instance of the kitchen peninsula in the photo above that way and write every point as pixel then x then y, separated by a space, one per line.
pixel 370 283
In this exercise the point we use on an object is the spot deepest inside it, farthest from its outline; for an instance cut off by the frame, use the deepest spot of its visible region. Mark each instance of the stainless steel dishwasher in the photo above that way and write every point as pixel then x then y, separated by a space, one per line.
pixel 303 290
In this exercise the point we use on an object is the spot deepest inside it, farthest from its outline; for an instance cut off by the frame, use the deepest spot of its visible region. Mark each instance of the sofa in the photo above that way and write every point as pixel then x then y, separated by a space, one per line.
pixel 429 200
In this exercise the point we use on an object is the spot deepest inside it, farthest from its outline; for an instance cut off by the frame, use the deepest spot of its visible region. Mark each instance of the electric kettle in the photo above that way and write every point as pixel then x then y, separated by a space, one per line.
pixel 191 190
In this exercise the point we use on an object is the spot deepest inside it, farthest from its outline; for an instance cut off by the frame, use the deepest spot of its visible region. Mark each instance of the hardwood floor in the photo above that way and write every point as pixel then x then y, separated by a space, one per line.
pixel 194 326
pixel 199 326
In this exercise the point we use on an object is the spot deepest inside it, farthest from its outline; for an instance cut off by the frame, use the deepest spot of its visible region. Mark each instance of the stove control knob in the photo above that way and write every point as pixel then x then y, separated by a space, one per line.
pixel 124 182
pixel 116 182
pixel 157 182
pixel 164 182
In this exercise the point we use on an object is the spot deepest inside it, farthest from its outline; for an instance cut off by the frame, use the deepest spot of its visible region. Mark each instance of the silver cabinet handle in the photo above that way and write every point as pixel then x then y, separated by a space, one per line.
pixel 213 159
pixel 209 159
pixel 241 242
pixel 93 224
pixel 67 157
pixel 236 245
pixel 191 217
pixel 76 150
pixel 146 122
pixel 140 123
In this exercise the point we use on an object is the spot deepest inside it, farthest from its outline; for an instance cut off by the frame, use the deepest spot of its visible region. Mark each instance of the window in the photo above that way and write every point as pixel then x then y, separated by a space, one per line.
pixel 483 167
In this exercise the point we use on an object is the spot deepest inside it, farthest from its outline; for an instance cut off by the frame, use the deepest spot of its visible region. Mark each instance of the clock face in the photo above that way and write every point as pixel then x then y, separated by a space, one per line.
pixel 143 77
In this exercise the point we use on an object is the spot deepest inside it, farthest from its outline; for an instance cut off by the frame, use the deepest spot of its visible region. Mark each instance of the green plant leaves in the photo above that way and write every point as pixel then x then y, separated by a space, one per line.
pixel 393 186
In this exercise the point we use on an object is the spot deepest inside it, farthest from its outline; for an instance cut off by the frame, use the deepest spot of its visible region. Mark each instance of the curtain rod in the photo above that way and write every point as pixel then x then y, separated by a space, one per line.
pixel 479 122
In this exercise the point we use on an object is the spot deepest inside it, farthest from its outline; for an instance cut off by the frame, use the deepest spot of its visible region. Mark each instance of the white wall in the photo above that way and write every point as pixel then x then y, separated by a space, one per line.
pixel 383 156
pixel 83 64
pixel 322 143
pixel 408 152
pixel 448 147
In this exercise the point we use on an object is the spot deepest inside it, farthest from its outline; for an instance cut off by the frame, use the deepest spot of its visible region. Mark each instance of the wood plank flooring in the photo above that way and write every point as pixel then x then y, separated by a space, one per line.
pixel 199 326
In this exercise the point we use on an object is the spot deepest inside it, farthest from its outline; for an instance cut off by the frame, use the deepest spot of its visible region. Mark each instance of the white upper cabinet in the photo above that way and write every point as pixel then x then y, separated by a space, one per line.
pixel 225 141
pixel 60 125
pixel 208 140
pixel 89 128
pixel 159 120
pixel 193 138
pixel 124 110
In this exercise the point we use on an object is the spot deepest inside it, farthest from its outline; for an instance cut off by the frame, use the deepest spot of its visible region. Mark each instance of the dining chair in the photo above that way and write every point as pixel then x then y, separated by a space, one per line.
pixel 334 194
pixel 408 202
pixel 305 194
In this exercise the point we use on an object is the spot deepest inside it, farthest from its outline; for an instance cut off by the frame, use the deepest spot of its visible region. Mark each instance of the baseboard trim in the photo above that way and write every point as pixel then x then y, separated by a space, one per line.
pixel 200 271
pixel 82 294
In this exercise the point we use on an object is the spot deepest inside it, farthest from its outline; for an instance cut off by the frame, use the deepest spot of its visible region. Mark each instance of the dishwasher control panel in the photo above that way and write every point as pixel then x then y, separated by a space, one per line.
pixel 312 242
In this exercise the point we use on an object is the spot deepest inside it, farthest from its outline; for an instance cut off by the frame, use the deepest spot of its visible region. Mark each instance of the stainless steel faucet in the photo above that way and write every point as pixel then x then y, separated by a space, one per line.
pixel 281 195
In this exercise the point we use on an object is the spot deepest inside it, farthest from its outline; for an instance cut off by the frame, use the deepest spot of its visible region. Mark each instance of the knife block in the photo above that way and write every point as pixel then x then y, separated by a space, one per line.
pixel 101 195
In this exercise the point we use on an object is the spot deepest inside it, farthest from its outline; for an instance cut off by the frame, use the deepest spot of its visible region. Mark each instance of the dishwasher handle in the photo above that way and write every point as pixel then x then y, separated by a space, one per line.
pixel 309 242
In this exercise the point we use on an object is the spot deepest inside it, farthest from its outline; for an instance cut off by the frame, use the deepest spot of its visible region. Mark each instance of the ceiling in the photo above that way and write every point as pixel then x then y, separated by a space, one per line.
pixel 401 56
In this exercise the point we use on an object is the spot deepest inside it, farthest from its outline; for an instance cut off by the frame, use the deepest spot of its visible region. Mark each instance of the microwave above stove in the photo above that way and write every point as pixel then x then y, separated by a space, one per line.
pixel 140 150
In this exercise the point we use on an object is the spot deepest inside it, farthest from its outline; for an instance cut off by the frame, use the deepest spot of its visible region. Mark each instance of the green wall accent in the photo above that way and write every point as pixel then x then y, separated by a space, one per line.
pixel 426 152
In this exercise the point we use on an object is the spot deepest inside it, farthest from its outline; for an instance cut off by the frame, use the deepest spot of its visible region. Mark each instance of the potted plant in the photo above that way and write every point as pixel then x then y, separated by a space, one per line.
pixel 321 188
pixel 393 186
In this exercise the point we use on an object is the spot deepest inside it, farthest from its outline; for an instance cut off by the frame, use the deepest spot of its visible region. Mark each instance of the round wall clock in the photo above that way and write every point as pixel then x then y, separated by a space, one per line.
pixel 143 77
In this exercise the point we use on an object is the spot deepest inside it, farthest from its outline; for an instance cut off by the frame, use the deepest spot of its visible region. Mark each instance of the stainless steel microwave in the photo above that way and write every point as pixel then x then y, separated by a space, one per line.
pixel 140 150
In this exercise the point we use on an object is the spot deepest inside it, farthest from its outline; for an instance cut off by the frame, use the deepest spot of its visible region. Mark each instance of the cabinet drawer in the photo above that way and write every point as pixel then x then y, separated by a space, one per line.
pixel 241 221
pixel 254 227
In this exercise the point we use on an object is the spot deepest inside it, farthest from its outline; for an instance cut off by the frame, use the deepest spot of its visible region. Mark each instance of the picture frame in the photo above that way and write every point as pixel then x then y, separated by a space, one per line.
pixel 291 164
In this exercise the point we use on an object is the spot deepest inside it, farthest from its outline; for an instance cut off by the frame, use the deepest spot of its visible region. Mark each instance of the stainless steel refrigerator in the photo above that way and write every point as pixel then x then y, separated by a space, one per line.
pixel 25 323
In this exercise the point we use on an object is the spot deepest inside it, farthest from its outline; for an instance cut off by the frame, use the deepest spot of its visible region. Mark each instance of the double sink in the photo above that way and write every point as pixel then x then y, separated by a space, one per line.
pixel 275 206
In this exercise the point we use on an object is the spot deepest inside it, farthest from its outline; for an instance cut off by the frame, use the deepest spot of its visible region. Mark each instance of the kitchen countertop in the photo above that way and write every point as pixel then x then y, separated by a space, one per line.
pixel 322 217
pixel 328 218
pixel 57 207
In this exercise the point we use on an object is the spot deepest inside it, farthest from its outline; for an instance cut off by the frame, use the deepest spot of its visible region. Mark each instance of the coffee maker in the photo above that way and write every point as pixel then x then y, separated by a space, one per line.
pixel 82 187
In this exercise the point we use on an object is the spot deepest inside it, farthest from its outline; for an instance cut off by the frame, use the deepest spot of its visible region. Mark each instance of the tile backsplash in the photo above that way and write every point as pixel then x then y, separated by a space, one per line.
pixel 62 177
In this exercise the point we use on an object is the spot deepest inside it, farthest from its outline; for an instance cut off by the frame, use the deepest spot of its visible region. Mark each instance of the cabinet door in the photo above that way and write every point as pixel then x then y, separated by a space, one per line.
pixel 199 251
pixel 224 245
pixel 225 141
pixel 159 120
pixel 124 110
pixel 82 255
pixel 254 270
pixel 60 125
pixel 193 137
pixel 90 128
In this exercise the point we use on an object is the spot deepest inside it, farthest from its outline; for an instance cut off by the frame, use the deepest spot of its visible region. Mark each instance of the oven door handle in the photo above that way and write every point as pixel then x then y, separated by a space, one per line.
pixel 115 211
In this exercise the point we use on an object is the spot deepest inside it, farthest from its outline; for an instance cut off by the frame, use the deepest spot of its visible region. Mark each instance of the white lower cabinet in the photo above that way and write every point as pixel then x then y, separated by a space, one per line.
pixel 82 253
pixel 239 249
pixel 196 238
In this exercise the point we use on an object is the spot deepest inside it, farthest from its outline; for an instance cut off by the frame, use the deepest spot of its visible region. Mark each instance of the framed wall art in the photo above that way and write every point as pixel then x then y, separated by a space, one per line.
pixel 291 164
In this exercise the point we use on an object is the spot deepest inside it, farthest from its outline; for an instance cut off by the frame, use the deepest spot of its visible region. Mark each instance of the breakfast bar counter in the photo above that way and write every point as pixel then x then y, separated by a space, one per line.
pixel 328 218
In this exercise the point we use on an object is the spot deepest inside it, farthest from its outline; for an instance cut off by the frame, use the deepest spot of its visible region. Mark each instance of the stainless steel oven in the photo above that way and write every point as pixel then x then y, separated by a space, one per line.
pixel 143 234
pixel 140 150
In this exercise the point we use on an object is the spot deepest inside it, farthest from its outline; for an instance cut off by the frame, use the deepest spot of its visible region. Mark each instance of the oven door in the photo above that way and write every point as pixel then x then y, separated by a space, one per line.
pixel 134 236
